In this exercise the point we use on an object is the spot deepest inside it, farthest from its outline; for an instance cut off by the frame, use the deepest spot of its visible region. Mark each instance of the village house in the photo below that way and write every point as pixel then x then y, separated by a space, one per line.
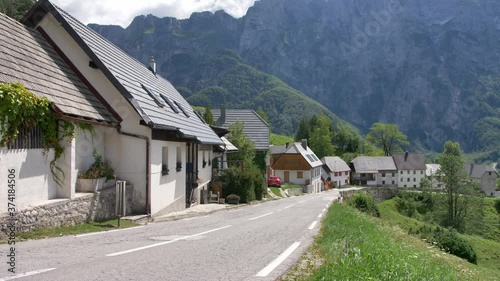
pixel 411 169
pixel 431 174
pixel 374 171
pixel 27 58
pixel 337 170
pixel 484 175
pixel 297 164
pixel 161 146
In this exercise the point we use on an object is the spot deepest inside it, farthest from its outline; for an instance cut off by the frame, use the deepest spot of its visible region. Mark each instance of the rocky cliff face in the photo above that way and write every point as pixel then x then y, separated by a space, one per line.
pixel 417 63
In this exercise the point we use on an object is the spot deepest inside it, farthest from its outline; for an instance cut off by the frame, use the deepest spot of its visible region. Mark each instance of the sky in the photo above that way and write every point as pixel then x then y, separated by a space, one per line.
pixel 122 12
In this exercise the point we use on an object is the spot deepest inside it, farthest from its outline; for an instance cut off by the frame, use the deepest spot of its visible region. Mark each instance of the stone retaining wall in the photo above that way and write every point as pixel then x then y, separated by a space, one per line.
pixel 96 206
pixel 293 191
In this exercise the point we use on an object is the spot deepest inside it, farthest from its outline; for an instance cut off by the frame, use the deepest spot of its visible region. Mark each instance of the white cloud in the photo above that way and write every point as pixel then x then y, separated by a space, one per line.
pixel 122 12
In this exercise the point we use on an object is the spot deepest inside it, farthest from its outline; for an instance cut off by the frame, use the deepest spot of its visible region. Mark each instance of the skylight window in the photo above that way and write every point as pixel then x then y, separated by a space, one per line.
pixel 182 109
pixel 154 95
pixel 310 157
pixel 199 116
pixel 169 102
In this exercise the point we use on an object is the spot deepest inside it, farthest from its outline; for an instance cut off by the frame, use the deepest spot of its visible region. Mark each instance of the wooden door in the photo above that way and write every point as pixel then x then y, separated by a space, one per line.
pixel 287 176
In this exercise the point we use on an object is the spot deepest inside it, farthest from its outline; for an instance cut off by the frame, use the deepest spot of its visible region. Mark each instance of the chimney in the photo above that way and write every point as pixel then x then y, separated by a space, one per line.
pixel 406 156
pixel 304 144
pixel 286 145
pixel 471 168
pixel 152 65
pixel 222 117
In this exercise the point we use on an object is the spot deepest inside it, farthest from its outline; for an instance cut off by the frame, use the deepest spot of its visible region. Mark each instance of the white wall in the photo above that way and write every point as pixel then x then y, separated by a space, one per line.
pixel 340 180
pixel 387 178
pixel 34 182
pixel 410 178
pixel 167 191
pixel 86 142
pixel 127 154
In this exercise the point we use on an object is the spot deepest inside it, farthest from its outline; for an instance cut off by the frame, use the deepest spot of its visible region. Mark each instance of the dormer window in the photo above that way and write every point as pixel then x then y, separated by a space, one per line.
pixel 156 97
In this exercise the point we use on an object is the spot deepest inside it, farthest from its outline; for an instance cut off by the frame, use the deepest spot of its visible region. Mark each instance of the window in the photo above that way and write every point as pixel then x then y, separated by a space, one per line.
pixel 408 179
pixel 383 175
pixel 421 172
pixel 405 185
pixel 393 182
pixel 170 104
pixel 164 161
pixel 414 172
pixel 401 172
pixel 414 186
pixel 401 180
pixel 336 174
pixel 393 175
pixel 408 172
pixel 204 163
pixel 346 181
pixel 154 95
pixel 182 109
pixel 347 173
pixel 27 139
pixel 363 175
pixel 383 182
pixel 300 175
pixel 414 179
pixel 489 173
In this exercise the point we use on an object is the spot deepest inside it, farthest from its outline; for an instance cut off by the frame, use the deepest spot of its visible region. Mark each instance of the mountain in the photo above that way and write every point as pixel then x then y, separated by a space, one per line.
pixel 430 66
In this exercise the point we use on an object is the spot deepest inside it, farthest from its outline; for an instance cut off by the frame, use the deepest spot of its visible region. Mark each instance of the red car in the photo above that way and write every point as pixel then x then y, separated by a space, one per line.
pixel 274 181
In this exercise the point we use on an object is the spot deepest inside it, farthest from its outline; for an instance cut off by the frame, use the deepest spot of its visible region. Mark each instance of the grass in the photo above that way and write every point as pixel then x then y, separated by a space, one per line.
pixel 487 250
pixel 280 139
pixel 73 230
pixel 353 246
pixel 289 186
pixel 276 191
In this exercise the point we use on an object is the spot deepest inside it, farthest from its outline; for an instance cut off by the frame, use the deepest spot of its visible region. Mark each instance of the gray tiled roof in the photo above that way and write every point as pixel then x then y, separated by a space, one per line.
pixel 477 171
pixel 256 129
pixel 277 149
pixel 335 164
pixel 128 75
pixel 27 58
pixel 410 161
pixel 373 164
pixel 308 154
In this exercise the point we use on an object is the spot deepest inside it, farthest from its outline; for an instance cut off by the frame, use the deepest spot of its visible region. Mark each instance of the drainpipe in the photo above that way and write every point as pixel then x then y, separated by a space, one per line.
pixel 148 182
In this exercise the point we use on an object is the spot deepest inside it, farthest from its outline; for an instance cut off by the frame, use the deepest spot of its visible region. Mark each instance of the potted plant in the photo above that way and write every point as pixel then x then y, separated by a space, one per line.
pixel 233 199
pixel 99 176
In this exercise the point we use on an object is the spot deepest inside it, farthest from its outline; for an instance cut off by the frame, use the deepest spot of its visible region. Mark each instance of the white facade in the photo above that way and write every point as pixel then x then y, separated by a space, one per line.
pixel 340 178
pixel 410 178
pixel 306 177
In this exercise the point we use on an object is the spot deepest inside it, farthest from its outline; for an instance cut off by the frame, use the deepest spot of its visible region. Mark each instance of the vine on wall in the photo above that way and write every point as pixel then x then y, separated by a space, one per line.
pixel 19 108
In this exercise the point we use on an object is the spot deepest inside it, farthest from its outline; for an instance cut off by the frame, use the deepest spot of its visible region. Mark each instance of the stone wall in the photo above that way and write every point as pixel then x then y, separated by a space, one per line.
pixel 293 192
pixel 96 206
pixel 379 194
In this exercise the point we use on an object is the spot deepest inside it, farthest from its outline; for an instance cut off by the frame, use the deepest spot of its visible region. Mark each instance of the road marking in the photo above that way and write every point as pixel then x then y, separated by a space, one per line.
pixel 288 207
pixel 313 225
pixel 261 216
pixel 31 273
pixel 302 201
pixel 109 231
pixel 275 263
pixel 320 215
pixel 166 242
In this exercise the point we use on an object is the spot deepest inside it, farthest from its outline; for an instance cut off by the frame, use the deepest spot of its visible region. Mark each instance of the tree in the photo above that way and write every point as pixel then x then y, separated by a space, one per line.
pixel 15 8
pixel 346 139
pixel 461 191
pixel 304 130
pixel 208 117
pixel 246 148
pixel 387 137
pixel 263 114
pixel 320 140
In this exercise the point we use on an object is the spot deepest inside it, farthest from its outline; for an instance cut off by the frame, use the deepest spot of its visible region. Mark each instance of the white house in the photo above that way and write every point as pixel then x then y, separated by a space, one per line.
pixel 484 175
pixel 374 171
pixel 411 169
pixel 297 164
pixel 27 58
pixel 337 169
pixel 160 145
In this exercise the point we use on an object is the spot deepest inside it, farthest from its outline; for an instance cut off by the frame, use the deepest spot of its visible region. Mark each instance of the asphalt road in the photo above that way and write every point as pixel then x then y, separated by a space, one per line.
pixel 257 242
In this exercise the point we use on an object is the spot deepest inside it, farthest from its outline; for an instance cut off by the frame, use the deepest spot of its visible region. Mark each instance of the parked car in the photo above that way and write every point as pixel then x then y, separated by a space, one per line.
pixel 274 181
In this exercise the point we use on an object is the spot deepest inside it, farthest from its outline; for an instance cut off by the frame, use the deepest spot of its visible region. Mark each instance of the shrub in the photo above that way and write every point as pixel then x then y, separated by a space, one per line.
pixel 408 203
pixel 497 205
pixel 449 241
pixel 99 169
pixel 406 206
pixel 240 182
pixel 364 203
pixel 455 245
